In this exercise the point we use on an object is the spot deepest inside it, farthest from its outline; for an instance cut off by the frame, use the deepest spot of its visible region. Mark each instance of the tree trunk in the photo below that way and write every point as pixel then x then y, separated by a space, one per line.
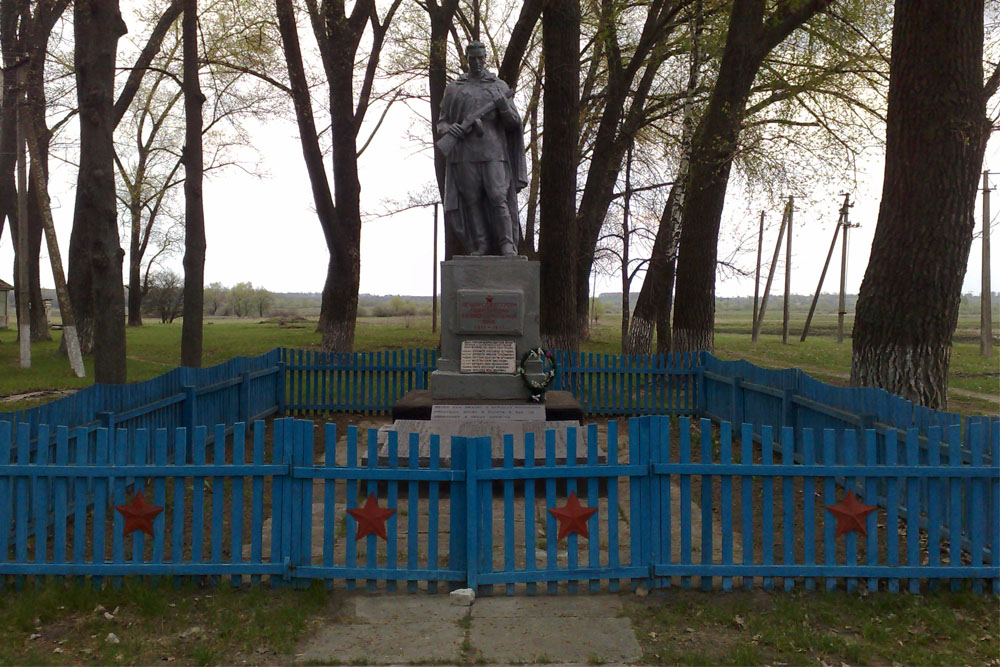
pixel 557 237
pixel 98 25
pixel 936 132
pixel 748 41
pixel 79 280
pixel 658 286
pixel 194 210
pixel 652 308
pixel 135 271
pixel 526 244
pixel 441 16
pixel 339 309
pixel 8 116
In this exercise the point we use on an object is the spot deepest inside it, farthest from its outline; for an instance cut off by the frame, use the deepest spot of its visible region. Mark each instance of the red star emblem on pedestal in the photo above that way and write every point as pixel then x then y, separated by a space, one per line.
pixel 573 517
pixel 138 515
pixel 371 518
pixel 850 513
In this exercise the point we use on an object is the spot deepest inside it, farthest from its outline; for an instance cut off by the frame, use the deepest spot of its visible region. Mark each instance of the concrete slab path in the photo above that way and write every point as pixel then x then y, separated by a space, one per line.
pixel 407 629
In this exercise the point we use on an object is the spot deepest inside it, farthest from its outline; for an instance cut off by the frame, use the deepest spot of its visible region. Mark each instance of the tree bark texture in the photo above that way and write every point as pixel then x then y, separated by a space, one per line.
pixel 8 116
pixel 750 37
pixel 98 25
pixel 194 208
pixel 557 237
pixel 79 278
pixel 936 132
pixel 655 295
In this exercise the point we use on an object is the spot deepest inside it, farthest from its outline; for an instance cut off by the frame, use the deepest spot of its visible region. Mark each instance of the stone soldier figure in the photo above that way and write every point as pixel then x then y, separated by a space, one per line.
pixel 482 139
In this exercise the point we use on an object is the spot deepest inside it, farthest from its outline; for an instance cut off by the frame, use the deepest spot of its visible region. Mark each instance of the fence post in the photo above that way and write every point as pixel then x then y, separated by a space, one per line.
pixel 107 420
pixel 190 417
pixel 736 402
pixel 472 522
pixel 280 387
pixel 458 492
pixel 787 408
pixel 244 406
pixel 700 392
pixel 419 371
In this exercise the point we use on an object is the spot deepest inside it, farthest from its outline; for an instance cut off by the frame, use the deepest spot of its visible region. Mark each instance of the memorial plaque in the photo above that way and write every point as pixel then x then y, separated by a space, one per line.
pixel 488 356
pixel 489 312
pixel 488 412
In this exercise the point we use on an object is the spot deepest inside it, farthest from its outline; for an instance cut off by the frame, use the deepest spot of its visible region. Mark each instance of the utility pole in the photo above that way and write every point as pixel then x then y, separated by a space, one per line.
pixel 986 297
pixel 770 277
pixel 23 317
pixel 826 265
pixel 756 280
pixel 842 302
pixel 434 288
pixel 788 274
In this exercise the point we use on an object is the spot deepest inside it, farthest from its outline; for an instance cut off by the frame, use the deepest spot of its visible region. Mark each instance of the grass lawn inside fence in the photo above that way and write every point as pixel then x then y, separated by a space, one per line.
pixel 155 348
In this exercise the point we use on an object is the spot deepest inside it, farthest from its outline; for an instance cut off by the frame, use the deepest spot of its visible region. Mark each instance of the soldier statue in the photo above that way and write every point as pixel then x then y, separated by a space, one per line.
pixel 481 137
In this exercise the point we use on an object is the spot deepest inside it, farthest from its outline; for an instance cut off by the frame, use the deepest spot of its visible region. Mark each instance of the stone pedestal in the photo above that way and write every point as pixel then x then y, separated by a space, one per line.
pixel 489 320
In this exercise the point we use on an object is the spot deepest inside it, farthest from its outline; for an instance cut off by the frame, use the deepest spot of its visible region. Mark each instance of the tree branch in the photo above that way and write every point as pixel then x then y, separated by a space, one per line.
pixel 146 58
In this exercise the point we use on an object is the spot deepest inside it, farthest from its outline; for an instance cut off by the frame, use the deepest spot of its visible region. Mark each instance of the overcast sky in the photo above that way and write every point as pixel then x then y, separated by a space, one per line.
pixel 264 230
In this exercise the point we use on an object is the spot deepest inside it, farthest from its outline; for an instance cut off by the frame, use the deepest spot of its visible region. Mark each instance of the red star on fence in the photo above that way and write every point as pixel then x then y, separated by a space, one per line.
pixel 573 517
pixel 850 513
pixel 371 518
pixel 138 515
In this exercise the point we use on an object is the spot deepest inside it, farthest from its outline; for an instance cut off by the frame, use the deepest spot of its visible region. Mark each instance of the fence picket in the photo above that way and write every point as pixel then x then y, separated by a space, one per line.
pixel 746 498
pixel 40 498
pixel 829 498
pixel 913 507
pixel 530 557
pixel 934 502
pixel 685 457
pixel 60 497
pixel 767 503
pixel 413 514
pixel 177 506
pixel 706 502
pixel 788 504
pixel 726 499
pixel 871 496
pixel 978 499
pixel 594 523
pixel 508 509
pixel 551 529
pixel 572 545
pixel 392 503
pixel 432 511
pixel 350 546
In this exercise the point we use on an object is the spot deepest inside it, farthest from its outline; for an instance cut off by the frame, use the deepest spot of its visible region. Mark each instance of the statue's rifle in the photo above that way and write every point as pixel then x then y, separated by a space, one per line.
pixel 447 142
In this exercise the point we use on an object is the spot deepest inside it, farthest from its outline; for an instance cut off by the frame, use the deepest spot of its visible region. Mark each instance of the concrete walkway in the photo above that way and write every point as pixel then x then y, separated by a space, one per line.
pixel 401 629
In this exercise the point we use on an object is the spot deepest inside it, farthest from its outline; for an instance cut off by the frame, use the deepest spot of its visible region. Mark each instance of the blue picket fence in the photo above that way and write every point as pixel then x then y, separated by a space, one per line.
pixel 677 502
pixel 241 389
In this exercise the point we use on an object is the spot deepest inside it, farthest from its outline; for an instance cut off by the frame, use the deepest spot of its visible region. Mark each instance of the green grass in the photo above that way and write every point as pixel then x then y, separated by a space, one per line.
pixel 66 624
pixel 155 348
pixel 746 627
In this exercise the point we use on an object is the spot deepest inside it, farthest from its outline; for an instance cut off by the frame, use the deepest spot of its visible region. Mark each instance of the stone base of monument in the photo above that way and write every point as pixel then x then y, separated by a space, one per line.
pixel 489 321
pixel 419 404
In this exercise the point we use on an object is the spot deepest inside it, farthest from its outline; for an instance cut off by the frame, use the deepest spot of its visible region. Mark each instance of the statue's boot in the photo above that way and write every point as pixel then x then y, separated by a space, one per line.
pixel 504 232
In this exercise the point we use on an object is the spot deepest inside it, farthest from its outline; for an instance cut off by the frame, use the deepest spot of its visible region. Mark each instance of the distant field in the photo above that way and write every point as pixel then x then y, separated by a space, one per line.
pixel 155 348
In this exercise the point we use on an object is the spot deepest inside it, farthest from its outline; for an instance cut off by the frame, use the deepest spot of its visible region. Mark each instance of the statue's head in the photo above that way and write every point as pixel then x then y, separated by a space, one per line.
pixel 475 53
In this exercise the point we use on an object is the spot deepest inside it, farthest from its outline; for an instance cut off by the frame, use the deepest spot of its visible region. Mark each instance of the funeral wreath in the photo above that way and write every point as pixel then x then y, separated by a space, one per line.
pixel 538 387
